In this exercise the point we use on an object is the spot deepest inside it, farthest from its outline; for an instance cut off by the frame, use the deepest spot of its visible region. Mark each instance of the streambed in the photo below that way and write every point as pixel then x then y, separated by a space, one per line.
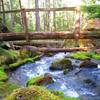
pixel 71 84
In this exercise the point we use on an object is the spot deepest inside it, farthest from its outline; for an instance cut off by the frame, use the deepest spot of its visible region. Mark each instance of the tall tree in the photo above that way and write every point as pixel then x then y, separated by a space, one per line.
pixel 37 16
pixel 20 4
pixel 12 15
pixel 47 16
pixel 54 17
pixel 3 9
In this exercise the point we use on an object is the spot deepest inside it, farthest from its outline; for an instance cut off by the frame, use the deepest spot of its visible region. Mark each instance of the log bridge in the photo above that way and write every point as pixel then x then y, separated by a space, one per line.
pixel 25 35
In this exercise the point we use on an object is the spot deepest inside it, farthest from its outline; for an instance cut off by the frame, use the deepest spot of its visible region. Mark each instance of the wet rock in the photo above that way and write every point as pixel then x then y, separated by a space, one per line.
pixel 10 60
pixel 90 82
pixel 29 51
pixel 98 51
pixel 47 74
pixel 61 64
pixel 40 80
pixel 89 97
pixel 65 71
pixel 88 64
pixel 5 45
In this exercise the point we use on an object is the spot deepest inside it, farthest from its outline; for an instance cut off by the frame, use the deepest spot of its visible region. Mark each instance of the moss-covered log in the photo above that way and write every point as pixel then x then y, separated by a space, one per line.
pixel 49 35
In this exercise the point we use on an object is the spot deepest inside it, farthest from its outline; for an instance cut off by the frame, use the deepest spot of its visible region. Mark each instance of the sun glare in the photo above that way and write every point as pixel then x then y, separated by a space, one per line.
pixel 65 3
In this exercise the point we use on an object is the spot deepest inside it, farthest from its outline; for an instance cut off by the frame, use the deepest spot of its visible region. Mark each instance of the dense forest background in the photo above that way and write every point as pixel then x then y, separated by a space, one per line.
pixel 49 20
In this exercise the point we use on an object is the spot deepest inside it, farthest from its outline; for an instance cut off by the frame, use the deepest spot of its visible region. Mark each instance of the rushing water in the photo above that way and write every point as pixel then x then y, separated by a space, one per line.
pixel 72 84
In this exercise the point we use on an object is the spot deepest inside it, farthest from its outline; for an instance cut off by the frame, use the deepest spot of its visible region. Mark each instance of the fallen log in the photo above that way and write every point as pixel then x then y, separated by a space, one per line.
pixel 55 50
pixel 51 50
pixel 48 35
pixel 40 43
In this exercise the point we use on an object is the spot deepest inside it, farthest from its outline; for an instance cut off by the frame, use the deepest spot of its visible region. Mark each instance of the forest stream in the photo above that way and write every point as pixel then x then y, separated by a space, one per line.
pixel 73 84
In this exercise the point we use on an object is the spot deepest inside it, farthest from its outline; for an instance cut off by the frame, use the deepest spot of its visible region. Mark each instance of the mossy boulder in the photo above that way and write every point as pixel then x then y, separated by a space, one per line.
pixel 32 93
pixel 19 63
pixel 10 60
pixel 66 71
pixel 3 75
pixel 28 51
pixel 88 64
pixel 40 80
pixel 6 89
pixel 61 64
pixel 37 93
pixel 23 61
pixel 8 56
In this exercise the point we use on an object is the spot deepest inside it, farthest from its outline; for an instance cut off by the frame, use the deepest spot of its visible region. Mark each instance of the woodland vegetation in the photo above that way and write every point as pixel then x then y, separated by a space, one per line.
pixel 35 32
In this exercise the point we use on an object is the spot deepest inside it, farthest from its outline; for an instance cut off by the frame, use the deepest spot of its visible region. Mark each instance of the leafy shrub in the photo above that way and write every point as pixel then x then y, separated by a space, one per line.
pixel 17 28
pixel 93 11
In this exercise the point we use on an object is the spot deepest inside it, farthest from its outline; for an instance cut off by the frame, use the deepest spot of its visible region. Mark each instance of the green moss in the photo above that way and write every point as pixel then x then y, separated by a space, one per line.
pixel 80 55
pixel 20 62
pixel 62 96
pixel 33 93
pixel 8 53
pixel 37 57
pixel 6 89
pixel 62 62
pixel 40 80
pixel 24 53
pixel 65 71
pixel 33 81
pixel 38 93
pixel 3 75
pixel 23 61
pixel 7 56
pixel 96 56
pixel 85 55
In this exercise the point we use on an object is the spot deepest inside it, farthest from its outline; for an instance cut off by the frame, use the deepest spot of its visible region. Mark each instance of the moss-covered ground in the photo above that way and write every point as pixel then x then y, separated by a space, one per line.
pixel 6 89
pixel 85 55
pixel 37 93
pixel 3 75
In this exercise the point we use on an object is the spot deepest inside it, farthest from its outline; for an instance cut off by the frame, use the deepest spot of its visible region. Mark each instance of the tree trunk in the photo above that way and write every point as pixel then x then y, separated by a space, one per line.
pixel 20 4
pixel 12 15
pixel 47 16
pixel 47 35
pixel 37 16
pixel 3 9
pixel 54 17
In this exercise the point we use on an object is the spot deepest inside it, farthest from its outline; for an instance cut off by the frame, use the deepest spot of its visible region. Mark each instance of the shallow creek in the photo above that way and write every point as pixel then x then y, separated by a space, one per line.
pixel 71 84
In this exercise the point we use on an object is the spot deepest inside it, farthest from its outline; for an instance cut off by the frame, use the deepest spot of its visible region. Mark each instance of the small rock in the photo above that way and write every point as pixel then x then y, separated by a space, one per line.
pixel 88 64
pixel 90 82
pixel 65 71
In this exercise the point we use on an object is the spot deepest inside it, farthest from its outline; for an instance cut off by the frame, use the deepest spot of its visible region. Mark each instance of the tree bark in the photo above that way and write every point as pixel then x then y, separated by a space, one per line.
pixel 3 9
pixel 55 50
pixel 37 16
pixel 47 35
pixel 12 15
pixel 47 16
